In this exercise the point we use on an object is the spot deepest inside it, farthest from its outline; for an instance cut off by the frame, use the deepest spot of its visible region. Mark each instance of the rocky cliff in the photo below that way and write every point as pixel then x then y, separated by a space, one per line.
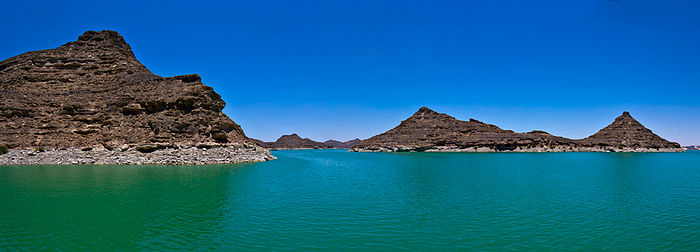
pixel 94 93
pixel 427 130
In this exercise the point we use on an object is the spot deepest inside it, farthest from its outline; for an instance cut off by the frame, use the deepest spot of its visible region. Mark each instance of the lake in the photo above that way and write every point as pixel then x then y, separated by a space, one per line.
pixel 334 199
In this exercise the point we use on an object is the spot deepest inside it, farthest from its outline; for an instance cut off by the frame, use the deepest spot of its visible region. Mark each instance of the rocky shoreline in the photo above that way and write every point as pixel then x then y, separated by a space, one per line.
pixel 175 155
pixel 519 149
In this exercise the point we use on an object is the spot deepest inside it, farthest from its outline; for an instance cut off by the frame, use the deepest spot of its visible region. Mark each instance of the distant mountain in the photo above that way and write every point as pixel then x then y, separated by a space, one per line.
pixel 292 141
pixel 342 145
pixel 427 130
pixel 692 147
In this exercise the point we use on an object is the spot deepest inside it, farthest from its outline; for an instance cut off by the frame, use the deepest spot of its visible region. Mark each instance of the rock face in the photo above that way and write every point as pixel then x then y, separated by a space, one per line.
pixel 94 92
pixel 342 145
pixel 427 130
pixel 293 141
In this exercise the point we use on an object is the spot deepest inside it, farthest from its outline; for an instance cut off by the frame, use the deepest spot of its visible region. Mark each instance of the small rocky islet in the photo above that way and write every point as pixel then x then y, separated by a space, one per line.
pixel 295 142
pixel 91 101
pixel 342 145
pixel 427 130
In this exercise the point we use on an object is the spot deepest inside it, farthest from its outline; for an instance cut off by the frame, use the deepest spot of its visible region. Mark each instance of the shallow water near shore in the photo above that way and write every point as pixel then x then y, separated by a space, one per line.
pixel 334 199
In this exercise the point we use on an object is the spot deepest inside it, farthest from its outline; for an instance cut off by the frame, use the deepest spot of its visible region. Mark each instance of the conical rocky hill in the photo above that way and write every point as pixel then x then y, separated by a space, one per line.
pixel 94 92
pixel 626 132
pixel 427 130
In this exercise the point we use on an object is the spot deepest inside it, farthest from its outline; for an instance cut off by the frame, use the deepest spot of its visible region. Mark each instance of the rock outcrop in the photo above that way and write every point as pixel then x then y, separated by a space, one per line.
pixel 290 142
pixel 342 145
pixel 94 92
pixel 427 130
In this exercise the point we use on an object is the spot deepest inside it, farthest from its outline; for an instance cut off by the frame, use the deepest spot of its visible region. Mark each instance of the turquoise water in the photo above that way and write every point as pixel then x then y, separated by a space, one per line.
pixel 333 199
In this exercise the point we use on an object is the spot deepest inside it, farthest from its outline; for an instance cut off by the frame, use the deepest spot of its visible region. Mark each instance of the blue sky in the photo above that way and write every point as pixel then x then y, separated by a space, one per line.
pixel 346 69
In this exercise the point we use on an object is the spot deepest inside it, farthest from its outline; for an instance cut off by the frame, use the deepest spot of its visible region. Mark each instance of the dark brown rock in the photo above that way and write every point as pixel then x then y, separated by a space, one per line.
pixel 427 130
pixel 149 147
pixel 94 91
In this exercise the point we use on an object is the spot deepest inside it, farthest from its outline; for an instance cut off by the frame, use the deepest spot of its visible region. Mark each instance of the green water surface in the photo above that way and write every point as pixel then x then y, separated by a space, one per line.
pixel 333 199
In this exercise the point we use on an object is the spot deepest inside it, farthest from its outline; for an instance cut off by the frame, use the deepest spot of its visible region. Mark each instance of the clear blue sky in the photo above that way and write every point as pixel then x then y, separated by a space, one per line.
pixel 346 69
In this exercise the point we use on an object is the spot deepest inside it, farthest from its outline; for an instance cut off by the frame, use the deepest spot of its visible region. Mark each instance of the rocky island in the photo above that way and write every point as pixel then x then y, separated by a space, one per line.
pixel 342 145
pixel 291 142
pixel 427 130
pixel 295 142
pixel 692 147
pixel 92 101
